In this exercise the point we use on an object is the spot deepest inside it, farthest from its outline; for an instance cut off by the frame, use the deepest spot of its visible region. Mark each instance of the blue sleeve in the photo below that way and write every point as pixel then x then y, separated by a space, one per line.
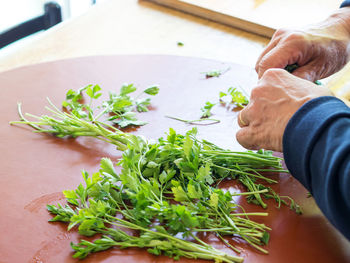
pixel 316 147
pixel 345 3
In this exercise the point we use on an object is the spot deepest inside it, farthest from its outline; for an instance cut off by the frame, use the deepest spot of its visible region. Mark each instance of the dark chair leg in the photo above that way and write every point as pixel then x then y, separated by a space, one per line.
pixel 52 14
pixel 51 17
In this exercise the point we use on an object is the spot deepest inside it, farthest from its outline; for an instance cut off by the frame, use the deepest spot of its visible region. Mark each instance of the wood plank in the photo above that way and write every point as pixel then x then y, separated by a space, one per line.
pixel 261 17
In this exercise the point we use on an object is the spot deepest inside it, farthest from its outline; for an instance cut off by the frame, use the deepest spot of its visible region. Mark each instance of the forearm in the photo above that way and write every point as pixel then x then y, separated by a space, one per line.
pixel 317 152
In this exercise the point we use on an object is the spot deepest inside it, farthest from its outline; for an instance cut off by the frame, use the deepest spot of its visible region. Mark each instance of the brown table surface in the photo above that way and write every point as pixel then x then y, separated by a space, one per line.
pixel 36 167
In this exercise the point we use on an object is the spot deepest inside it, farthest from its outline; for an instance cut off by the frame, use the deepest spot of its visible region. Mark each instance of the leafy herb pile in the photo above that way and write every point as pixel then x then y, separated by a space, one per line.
pixel 166 189
pixel 154 175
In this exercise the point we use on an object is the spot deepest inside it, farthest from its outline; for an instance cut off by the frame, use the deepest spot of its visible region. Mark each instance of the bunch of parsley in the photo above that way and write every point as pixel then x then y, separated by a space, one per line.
pixel 166 189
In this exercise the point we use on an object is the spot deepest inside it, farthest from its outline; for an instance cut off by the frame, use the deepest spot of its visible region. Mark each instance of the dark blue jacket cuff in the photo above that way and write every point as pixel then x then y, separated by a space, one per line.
pixel 345 3
pixel 303 129
pixel 316 146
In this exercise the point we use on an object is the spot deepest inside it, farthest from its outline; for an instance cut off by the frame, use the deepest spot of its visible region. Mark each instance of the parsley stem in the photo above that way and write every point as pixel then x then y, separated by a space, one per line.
pixel 250 193
pixel 228 244
pixel 209 252
pixel 197 122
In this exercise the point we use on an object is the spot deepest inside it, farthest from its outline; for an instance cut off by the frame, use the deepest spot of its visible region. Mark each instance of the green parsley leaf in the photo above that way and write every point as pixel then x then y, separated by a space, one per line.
pixel 153 90
pixel 179 194
pixel 194 192
pixel 214 200
pixel 206 110
pixel 92 92
pixel 237 97
pixel 141 104
pixel 215 73
pixel 204 174
pixel 222 94
pixel 266 237
pixel 187 147
pixel 180 44
pixel 107 167
pixel 126 89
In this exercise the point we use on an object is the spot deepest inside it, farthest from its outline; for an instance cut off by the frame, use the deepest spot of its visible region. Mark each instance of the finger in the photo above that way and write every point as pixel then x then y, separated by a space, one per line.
pixel 245 138
pixel 267 49
pixel 241 122
pixel 278 57
pixel 242 118
pixel 276 38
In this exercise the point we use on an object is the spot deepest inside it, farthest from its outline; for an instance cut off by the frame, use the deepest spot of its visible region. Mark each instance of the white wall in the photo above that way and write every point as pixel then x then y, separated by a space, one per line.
pixel 13 12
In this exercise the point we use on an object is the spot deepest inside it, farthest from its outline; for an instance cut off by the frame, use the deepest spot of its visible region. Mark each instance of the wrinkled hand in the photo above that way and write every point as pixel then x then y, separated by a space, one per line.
pixel 273 102
pixel 320 50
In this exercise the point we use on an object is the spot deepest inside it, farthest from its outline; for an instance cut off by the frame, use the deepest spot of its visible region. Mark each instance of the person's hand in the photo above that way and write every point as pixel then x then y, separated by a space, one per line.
pixel 273 102
pixel 319 50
